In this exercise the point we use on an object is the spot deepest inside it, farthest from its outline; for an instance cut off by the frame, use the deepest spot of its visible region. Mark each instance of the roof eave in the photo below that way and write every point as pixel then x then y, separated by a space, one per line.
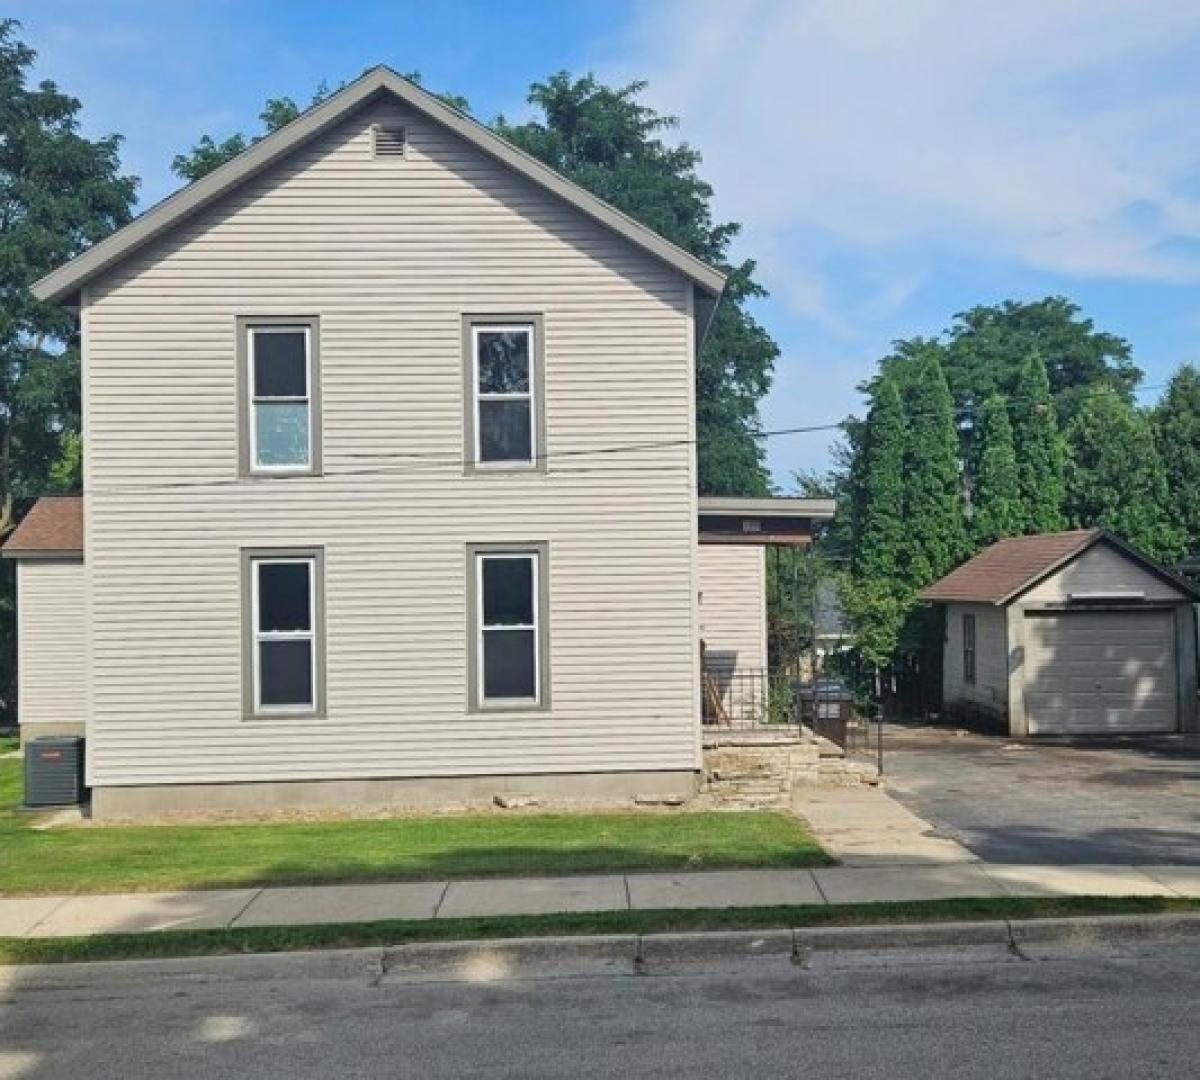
pixel 66 281
pixel 766 507
pixel 43 553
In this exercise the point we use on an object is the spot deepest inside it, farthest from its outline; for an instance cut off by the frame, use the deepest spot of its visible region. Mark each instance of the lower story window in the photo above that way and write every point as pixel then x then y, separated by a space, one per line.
pixel 284 636
pixel 510 627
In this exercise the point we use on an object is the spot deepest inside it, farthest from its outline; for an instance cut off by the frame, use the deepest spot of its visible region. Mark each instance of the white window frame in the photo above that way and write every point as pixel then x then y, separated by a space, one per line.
pixel 258 636
pixel 528 396
pixel 481 630
pixel 253 398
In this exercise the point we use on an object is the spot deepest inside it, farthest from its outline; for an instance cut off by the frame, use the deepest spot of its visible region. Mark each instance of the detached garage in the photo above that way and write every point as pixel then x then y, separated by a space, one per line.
pixel 1071 633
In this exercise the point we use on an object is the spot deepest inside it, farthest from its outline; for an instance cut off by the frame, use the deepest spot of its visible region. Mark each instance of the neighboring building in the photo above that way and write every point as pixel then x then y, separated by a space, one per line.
pixel 390 484
pixel 1071 633
pixel 51 628
pixel 734 537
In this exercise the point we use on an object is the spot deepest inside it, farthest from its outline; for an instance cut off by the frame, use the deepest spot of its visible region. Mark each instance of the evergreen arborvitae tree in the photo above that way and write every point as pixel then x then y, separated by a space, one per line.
pixel 879 498
pixel 996 501
pixel 935 534
pixel 1116 479
pixel 875 596
pixel 1177 433
pixel 1040 452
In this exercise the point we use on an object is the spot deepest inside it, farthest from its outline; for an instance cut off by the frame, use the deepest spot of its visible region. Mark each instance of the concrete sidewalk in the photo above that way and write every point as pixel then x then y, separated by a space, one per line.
pixel 58 916
pixel 864 826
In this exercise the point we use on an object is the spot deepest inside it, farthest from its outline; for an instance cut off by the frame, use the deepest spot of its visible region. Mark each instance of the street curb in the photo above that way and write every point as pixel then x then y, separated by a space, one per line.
pixel 948 935
pixel 492 959
pixel 653 954
pixel 713 949
pixel 1104 931
pixel 487 960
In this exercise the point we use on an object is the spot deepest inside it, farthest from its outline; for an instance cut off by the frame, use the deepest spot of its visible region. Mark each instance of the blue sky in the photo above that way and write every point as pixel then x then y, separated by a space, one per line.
pixel 892 164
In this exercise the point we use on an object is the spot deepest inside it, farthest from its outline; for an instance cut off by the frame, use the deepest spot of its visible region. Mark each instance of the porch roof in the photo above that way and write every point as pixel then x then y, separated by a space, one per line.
pixel 53 529
pixel 763 521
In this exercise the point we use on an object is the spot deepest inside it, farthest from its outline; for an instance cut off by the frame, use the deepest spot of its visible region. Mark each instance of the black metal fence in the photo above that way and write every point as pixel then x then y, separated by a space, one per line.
pixel 758 700
pixel 748 699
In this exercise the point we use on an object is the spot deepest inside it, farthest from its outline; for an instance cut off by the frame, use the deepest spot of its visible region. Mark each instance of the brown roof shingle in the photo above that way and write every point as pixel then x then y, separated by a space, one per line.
pixel 1008 566
pixel 54 526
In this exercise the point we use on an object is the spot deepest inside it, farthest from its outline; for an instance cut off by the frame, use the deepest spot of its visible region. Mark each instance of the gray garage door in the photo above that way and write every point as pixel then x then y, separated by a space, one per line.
pixel 1101 671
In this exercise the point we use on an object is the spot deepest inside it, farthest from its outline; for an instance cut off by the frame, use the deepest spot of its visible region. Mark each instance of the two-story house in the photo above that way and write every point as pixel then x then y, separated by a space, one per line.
pixel 389 482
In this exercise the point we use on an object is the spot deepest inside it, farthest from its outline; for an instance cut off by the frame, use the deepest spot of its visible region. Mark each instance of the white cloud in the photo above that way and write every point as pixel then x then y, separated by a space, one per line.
pixel 868 145
pixel 1020 130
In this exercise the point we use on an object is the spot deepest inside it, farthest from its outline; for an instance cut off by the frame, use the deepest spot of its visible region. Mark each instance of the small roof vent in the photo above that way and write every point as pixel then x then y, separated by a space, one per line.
pixel 388 141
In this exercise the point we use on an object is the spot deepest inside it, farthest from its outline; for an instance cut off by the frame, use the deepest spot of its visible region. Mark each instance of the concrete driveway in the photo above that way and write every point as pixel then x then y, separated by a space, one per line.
pixel 1132 801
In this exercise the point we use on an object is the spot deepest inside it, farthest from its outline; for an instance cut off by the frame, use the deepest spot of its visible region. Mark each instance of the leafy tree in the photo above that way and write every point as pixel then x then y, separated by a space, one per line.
pixel 987 347
pixel 1116 479
pixel 59 193
pixel 877 614
pixel 1177 434
pixel 935 536
pixel 602 138
pixel 996 501
pixel 209 154
pixel 1040 451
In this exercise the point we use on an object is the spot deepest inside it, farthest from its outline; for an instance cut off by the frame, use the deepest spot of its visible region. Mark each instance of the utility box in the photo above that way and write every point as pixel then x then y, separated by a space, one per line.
pixel 54 771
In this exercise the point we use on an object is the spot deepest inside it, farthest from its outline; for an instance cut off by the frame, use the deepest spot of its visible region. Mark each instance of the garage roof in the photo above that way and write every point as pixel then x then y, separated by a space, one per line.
pixel 1002 572
pixel 53 529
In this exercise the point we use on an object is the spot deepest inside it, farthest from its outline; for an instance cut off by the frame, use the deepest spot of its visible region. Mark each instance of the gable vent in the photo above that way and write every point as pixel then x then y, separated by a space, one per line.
pixel 388 141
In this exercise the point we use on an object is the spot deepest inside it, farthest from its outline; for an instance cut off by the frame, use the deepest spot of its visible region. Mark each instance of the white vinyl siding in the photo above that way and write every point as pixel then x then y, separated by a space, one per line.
pixel 1100 571
pixel 51 645
pixel 987 693
pixel 733 606
pixel 390 260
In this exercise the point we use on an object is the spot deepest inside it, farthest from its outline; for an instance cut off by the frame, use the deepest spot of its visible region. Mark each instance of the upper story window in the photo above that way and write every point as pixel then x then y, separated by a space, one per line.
pixel 280 385
pixel 505 417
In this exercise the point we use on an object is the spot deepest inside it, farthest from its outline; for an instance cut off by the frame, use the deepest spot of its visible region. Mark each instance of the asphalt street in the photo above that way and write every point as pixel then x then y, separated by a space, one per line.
pixel 1085 1015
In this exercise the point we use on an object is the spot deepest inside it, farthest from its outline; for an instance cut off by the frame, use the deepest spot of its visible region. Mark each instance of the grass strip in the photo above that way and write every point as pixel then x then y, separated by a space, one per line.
pixel 244 940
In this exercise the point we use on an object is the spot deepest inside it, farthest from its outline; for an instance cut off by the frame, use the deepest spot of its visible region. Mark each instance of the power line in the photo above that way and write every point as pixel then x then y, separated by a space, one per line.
pixel 430 461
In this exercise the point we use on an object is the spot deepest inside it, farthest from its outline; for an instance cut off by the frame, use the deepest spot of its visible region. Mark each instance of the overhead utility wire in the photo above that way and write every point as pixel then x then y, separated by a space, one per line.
pixel 435 459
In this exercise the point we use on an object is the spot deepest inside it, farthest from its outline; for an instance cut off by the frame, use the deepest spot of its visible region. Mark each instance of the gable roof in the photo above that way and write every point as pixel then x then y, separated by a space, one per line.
pixel 63 283
pixel 53 528
pixel 1002 572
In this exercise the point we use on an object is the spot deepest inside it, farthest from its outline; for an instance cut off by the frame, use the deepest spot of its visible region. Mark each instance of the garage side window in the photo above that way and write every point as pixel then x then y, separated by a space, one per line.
pixel 283 640
pixel 968 636
pixel 280 396
pixel 508 631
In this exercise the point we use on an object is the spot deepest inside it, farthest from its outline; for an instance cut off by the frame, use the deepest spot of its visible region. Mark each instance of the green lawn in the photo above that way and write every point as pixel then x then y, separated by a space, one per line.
pixel 130 858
